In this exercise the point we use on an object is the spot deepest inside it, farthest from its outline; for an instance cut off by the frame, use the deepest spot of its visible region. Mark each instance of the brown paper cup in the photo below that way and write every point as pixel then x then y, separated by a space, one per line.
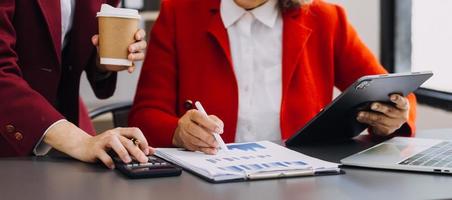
pixel 115 36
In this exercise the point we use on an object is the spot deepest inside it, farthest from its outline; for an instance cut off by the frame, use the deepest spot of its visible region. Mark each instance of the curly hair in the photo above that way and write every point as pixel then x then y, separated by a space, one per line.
pixel 289 4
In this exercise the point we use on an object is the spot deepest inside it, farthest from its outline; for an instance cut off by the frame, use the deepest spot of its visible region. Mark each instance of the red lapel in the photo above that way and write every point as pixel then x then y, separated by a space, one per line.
pixel 218 31
pixel 295 36
pixel 52 13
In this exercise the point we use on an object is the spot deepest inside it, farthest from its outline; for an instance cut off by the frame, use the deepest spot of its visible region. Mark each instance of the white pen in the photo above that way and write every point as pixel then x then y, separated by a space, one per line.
pixel 216 135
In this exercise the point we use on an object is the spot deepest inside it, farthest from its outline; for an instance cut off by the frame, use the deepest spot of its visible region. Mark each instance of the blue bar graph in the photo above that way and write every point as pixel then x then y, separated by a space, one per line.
pixel 246 147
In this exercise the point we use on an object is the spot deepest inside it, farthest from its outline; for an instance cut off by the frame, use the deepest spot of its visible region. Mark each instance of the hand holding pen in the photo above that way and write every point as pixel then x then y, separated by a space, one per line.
pixel 195 132
pixel 216 135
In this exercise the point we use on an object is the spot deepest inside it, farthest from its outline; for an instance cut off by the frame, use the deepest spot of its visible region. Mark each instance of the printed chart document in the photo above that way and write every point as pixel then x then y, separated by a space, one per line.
pixel 248 161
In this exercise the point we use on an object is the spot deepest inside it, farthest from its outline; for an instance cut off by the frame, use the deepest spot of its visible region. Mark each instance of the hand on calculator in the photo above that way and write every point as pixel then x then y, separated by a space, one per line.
pixel 155 167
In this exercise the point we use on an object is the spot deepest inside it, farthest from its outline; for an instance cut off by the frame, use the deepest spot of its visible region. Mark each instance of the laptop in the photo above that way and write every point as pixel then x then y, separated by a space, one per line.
pixel 410 154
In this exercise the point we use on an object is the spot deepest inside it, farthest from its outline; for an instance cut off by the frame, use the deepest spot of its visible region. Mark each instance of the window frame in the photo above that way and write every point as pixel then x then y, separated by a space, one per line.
pixel 395 48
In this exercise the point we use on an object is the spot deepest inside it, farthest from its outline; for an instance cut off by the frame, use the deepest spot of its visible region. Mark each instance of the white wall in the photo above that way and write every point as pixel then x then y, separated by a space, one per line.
pixel 125 89
pixel 432 41
pixel 364 15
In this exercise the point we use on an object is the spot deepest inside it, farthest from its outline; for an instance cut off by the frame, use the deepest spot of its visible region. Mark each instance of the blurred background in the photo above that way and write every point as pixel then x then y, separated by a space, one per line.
pixel 406 35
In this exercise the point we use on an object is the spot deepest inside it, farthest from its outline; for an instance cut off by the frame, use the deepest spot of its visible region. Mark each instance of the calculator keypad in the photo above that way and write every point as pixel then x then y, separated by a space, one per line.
pixel 154 168
pixel 153 162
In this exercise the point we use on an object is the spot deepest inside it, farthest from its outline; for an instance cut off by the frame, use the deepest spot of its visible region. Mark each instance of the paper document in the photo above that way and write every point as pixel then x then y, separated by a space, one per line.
pixel 247 161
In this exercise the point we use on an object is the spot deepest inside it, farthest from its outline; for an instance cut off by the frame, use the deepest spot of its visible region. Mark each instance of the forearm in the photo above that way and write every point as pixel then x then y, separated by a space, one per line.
pixel 69 139
pixel 103 83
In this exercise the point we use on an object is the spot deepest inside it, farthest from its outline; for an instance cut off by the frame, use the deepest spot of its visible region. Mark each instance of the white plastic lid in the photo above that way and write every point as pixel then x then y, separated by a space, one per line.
pixel 110 11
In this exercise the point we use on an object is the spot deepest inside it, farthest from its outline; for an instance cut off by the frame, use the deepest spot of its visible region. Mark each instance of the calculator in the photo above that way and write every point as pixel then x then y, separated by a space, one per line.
pixel 154 168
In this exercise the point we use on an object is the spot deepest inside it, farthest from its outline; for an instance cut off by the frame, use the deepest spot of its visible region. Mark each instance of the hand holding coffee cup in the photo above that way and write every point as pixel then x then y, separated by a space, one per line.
pixel 136 52
pixel 119 42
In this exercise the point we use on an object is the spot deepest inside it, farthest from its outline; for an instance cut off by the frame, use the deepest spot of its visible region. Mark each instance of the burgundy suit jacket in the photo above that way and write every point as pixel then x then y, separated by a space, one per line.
pixel 39 85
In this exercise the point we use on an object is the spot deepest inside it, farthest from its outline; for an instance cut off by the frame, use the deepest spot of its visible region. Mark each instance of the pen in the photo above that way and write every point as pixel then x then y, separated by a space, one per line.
pixel 216 135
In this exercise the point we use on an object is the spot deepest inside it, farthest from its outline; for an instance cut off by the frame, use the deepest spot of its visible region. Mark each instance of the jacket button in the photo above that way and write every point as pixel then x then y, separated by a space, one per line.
pixel 10 128
pixel 18 136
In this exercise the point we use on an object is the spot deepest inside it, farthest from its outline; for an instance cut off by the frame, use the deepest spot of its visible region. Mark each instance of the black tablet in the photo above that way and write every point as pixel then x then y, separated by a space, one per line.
pixel 337 121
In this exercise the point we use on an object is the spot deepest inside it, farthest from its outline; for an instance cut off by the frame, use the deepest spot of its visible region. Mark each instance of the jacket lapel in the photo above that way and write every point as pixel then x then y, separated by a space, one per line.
pixel 295 36
pixel 217 30
pixel 84 26
pixel 52 13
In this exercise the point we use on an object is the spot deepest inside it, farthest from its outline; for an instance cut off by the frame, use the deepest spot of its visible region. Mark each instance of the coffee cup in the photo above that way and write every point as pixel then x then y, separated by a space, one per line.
pixel 117 29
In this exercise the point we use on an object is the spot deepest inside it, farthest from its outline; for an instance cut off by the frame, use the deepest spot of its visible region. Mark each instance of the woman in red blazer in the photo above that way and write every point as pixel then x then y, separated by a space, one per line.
pixel 191 57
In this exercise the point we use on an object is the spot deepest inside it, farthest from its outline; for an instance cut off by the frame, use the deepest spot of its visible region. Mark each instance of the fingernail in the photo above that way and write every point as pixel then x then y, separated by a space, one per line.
pixel 145 159
pixel 128 159
pixel 218 130
pixel 394 97
pixel 146 151
pixel 375 107
pixel 360 116
pixel 213 151
pixel 151 150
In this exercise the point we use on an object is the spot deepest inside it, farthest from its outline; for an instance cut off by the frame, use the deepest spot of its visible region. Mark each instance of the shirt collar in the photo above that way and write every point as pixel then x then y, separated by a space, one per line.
pixel 266 14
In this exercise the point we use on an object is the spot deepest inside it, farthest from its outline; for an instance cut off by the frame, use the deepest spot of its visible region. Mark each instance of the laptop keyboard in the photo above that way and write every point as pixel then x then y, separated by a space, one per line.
pixel 439 155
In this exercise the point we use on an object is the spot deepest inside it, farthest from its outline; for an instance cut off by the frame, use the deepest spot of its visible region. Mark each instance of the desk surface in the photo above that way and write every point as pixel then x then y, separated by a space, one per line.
pixel 63 178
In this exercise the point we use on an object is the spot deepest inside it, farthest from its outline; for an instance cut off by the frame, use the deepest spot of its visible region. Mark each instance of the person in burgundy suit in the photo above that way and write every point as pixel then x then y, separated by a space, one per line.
pixel 45 45
pixel 263 67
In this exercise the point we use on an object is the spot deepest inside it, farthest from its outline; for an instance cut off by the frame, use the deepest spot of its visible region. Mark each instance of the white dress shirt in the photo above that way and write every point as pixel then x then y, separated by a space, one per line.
pixel 67 16
pixel 255 38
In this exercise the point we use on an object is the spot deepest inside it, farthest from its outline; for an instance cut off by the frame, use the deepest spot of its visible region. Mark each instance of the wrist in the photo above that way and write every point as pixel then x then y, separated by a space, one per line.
pixel 176 138
pixel 99 67
pixel 101 72
pixel 69 139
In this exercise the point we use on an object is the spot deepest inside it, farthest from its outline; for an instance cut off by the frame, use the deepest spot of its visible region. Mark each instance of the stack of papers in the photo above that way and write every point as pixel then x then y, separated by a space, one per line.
pixel 244 161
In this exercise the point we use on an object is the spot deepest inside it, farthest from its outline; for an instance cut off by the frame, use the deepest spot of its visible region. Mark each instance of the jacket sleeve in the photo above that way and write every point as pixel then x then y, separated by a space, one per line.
pixel 103 84
pixel 24 113
pixel 154 109
pixel 353 60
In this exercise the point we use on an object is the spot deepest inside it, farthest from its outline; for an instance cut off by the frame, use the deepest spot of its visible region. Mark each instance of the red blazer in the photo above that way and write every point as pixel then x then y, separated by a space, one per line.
pixel 189 58
pixel 32 69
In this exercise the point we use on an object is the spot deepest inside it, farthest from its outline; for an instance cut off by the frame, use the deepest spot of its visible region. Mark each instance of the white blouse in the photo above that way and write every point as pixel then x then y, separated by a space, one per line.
pixel 256 48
